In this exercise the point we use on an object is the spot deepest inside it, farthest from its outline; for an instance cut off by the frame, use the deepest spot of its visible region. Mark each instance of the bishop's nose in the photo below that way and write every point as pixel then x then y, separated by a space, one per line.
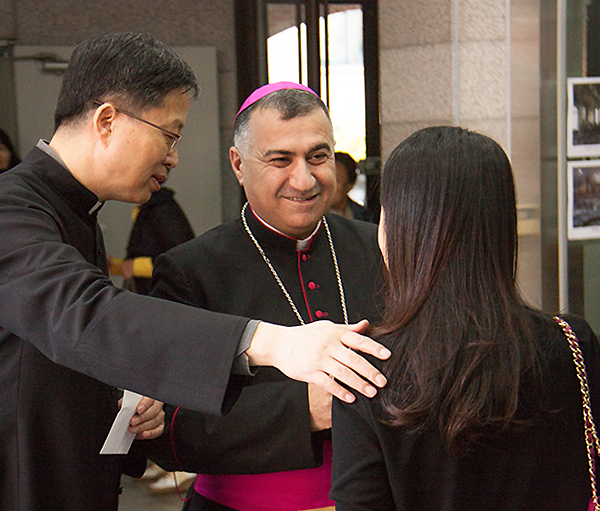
pixel 301 176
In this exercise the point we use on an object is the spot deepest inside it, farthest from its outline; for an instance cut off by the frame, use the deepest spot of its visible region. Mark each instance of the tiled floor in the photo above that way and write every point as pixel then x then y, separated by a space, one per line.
pixel 136 497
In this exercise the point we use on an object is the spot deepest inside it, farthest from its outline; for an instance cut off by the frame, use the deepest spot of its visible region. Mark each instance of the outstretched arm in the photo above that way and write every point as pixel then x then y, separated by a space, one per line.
pixel 314 353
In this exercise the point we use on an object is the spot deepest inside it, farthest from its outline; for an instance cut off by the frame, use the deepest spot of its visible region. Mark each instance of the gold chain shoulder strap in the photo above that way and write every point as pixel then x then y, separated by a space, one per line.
pixel 591 437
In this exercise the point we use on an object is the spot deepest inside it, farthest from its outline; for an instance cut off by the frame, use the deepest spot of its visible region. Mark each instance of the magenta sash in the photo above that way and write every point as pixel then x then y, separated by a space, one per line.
pixel 280 491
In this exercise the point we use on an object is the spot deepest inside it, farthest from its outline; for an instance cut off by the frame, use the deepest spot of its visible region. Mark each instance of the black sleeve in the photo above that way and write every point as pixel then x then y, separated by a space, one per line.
pixel 69 310
pixel 134 463
pixel 265 432
pixel 359 477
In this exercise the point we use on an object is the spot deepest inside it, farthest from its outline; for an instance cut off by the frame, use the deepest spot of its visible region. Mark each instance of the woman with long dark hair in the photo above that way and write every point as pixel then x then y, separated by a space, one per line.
pixel 482 409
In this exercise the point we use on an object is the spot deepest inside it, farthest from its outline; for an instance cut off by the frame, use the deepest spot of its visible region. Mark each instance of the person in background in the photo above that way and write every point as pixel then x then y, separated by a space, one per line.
pixel 69 338
pixel 282 260
pixel 8 154
pixel 346 174
pixel 483 408
pixel 158 225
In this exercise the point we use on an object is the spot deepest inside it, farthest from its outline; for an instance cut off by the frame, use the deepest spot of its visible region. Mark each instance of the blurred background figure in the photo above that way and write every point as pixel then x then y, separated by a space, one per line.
pixel 158 225
pixel 342 204
pixel 8 155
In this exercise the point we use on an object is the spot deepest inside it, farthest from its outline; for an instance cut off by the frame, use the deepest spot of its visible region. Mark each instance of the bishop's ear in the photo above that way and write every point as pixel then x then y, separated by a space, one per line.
pixel 236 164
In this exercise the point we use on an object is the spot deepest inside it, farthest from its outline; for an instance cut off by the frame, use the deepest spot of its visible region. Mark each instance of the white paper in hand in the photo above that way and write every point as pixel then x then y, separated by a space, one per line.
pixel 119 440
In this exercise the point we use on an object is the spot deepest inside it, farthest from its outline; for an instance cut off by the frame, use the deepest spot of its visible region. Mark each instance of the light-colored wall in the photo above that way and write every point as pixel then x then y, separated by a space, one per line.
pixel 525 141
pixel 175 22
pixel 416 67
pixel 472 63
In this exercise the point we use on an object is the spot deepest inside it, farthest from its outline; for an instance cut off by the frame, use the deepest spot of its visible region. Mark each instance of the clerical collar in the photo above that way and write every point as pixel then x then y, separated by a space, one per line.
pixel 44 145
pixel 300 244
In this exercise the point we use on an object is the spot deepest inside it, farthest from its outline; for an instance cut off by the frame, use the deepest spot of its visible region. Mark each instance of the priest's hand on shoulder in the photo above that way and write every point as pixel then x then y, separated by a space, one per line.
pixel 320 353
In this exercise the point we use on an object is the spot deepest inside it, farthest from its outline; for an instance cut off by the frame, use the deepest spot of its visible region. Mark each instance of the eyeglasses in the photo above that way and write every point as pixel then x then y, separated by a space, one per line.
pixel 174 138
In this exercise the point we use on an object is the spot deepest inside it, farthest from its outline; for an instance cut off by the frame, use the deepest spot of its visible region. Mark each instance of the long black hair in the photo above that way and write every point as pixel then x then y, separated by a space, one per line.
pixel 458 329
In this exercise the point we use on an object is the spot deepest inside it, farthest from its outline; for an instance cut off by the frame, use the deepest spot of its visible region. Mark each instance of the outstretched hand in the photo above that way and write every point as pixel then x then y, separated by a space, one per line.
pixel 321 353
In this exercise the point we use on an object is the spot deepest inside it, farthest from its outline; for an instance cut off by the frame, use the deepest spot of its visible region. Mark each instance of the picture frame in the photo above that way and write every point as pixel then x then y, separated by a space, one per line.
pixel 583 199
pixel 583 117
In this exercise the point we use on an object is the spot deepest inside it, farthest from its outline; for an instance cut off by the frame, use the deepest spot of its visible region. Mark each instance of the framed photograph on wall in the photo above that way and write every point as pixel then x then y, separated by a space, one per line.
pixel 583 119
pixel 584 199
